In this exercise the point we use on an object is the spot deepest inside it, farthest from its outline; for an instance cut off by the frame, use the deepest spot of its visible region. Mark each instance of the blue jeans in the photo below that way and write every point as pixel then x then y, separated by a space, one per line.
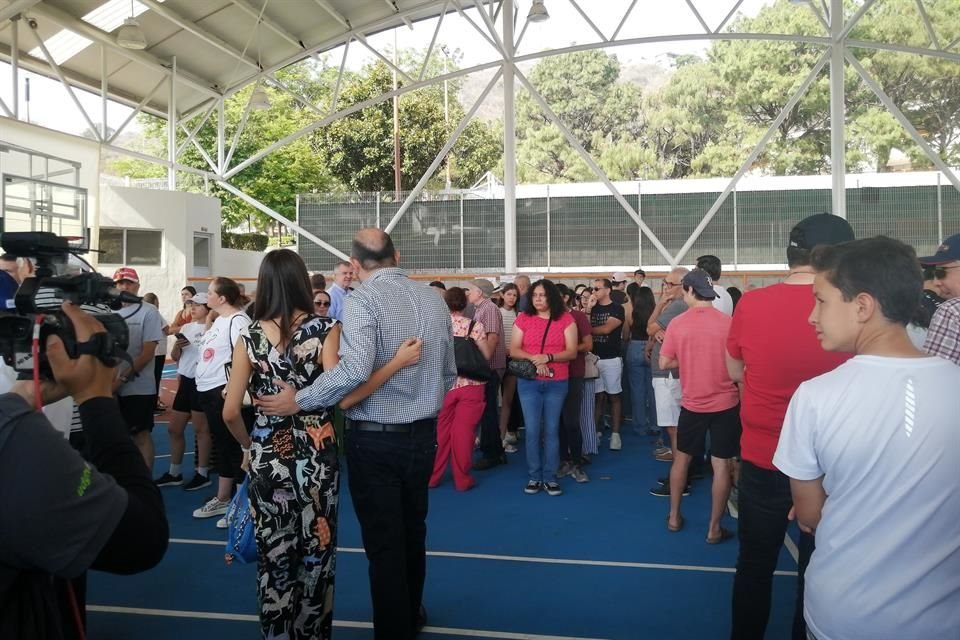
pixel 542 402
pixel 641 387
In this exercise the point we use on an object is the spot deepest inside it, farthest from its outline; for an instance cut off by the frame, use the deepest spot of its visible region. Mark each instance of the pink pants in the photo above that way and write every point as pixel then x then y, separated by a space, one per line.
pixel 456 423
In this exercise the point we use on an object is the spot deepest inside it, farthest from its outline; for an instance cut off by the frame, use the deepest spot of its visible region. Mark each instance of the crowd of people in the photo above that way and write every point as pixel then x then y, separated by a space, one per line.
pixel 826 398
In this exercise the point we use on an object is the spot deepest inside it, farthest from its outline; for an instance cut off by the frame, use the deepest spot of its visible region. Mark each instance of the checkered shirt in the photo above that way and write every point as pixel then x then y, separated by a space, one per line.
pixel 943 337
pixel 378 316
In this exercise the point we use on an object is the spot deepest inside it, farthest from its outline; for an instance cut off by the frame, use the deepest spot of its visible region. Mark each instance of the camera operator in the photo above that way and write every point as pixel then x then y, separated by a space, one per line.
pixel 60 515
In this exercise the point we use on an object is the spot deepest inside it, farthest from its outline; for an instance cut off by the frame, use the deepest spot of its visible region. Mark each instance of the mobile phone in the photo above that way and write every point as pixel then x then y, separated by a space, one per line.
pixel 180 336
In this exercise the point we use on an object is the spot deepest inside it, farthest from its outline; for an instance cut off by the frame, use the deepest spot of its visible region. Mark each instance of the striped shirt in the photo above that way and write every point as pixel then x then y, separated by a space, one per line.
pixel 378 316
pixel 943 336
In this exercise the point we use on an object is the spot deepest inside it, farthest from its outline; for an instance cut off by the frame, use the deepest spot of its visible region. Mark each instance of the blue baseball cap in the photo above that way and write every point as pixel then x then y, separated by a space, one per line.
pixel 949 251
pixel 700 282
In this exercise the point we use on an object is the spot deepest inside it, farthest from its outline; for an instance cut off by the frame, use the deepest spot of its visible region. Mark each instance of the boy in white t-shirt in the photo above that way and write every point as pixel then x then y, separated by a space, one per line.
pixel 869 449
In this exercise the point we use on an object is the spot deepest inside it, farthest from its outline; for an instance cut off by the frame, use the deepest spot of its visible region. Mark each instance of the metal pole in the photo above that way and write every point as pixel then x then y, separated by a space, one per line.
pixel 838 113
pixel 396 125
pixel 461 233
pixel 939 211
pixel 639 215
pixel 221 136
pixel 736 257
pixel 548 227
pixel 378 209
pixel 15 64
pixel 509 146
pixel 172 127
pixel 446 108
pixel 103 92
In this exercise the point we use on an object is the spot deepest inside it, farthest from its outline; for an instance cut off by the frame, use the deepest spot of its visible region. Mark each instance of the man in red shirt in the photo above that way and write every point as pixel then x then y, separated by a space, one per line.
pixel 695 342
pixel 772 348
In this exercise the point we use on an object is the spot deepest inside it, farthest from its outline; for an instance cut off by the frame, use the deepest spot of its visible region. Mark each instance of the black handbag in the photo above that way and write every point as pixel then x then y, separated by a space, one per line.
pixel 525 368
pixel 470 361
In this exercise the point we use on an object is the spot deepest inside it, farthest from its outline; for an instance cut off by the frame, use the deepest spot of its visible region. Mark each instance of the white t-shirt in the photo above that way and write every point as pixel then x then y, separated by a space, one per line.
pixel 723 302
pixel 145 325
pixel 216 350
pixel 884 434
pixel 190 355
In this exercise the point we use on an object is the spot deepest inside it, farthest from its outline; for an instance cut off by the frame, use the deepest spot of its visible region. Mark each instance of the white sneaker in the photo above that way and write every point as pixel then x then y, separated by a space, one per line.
pixel 579 475
pixel 509 448
pixel 615 444
pixel 222 523
pixel 510 438
pixel 212 509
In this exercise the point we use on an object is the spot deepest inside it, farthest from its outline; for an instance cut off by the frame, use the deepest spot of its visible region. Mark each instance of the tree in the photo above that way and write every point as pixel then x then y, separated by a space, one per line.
pixel 585 92
pixel 275 180
pixel 361 144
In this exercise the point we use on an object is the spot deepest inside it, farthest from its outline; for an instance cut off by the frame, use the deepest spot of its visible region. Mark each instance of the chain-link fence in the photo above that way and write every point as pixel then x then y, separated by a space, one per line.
pixel 583 227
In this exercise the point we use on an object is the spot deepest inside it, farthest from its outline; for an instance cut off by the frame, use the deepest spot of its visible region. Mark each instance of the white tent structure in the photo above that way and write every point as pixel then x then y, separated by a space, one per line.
pixel 179 59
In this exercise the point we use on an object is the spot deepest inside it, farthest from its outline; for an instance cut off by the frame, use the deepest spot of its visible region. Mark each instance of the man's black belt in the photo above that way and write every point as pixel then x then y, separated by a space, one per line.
pixel 382 427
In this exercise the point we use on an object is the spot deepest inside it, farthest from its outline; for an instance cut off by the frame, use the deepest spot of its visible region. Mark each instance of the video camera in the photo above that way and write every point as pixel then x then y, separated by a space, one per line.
pixel 38 301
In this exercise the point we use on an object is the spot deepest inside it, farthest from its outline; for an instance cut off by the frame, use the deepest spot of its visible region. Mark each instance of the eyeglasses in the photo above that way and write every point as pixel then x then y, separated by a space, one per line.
pixel 599 288
pixel 670 284
pixel 321 303
pixel 941 272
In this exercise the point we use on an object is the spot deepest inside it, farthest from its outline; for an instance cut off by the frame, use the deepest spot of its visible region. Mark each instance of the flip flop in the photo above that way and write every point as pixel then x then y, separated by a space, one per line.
pixel 676 528
pixel 725 534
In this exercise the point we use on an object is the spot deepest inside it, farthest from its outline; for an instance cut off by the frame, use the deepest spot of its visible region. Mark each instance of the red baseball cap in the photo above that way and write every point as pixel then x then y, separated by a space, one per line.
pixel 126 273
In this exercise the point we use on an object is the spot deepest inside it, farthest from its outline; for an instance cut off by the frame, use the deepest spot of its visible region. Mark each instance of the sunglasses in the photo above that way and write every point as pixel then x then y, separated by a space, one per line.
pixel 321 303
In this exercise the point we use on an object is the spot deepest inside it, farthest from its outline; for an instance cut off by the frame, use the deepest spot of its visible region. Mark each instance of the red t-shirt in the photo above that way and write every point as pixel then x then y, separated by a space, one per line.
pixel 771 334
pixel 578 367
pixel 697 339
pixel 533 327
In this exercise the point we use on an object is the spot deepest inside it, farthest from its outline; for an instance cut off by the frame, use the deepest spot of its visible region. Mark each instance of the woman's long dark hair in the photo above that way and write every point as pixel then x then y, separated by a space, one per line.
pixel 283 289
pixel 554 299
pixel 643 305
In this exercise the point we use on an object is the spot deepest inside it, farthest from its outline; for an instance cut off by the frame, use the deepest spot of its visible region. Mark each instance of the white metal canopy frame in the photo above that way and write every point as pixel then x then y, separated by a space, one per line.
pixel 200 51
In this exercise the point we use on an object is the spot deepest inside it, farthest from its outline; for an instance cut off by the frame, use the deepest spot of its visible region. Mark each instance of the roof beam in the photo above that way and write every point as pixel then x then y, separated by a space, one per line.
pixel 165 12
pixel 40 67
pixel 370 27
pixel 268 23
pixel 18 6
pixel 339 17
pixel 149 60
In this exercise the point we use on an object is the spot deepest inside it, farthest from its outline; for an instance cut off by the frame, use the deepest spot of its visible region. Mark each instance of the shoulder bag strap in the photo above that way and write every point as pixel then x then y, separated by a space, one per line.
pixel 545 332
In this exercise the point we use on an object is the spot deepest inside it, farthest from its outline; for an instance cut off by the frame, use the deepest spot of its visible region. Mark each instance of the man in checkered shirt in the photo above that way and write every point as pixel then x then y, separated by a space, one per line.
pixel 390 436
pixel 943 336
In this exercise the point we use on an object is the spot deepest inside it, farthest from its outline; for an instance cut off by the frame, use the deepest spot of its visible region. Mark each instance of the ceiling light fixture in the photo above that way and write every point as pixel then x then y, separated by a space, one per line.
pixel 129 35
pixel 538 12
pixel 259 100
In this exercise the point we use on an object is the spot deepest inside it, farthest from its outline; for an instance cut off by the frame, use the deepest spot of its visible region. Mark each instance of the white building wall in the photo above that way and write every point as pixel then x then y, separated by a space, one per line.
pixel 180 215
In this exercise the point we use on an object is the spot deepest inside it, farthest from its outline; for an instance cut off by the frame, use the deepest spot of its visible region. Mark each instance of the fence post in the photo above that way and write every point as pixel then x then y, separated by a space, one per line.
pixel 548 227
pixel 939 210
pixel 735 241
pixel 639 230
pixel 377 196
pixel 461 233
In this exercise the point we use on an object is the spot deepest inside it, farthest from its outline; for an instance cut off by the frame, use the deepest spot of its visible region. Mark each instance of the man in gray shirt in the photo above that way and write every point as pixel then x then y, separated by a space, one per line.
pixel 391 436
pixel 137 387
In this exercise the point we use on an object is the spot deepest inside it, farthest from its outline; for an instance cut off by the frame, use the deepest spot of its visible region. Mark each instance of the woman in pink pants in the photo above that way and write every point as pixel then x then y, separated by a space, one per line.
pixel 463 405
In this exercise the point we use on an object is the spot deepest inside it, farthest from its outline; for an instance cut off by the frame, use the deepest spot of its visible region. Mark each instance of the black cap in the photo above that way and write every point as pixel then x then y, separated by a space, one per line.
pixel 946 252
pixel 820 228
pixel 700 282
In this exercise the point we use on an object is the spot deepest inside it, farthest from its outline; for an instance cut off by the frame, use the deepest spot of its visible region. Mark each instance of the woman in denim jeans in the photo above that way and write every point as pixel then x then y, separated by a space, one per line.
pixel 638 366
pixel 546 335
